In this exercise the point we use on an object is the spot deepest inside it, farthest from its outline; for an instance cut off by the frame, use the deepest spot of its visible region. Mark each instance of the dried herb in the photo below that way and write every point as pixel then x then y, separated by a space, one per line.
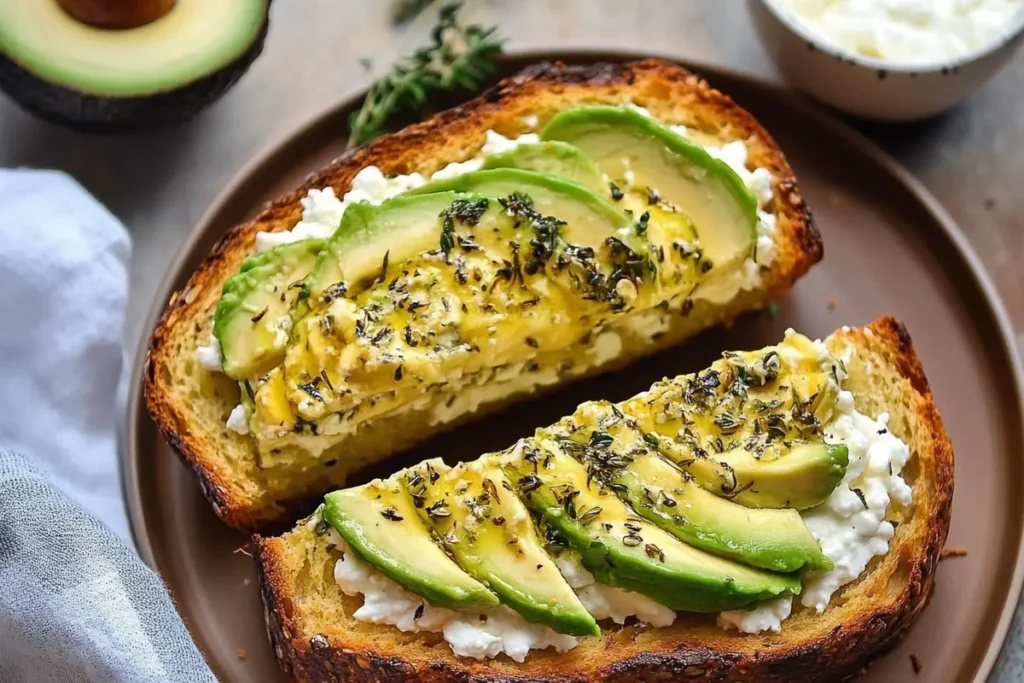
pixel 391 514
pixel 616 192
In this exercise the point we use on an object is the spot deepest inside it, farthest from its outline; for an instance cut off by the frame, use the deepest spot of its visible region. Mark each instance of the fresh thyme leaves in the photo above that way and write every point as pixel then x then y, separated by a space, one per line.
pixel 459 57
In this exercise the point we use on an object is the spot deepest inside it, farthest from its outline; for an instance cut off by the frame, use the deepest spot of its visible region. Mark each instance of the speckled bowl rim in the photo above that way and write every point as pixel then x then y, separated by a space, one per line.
pixel 136 414
pixel 823 44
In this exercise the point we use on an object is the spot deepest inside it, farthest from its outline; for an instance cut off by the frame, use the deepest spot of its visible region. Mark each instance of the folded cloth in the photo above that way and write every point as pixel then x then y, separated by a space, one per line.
pixel 63 290
pixel 77 604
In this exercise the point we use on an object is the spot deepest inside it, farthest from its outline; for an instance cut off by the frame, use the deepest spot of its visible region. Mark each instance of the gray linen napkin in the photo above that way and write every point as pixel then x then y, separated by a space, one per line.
pixel 76 603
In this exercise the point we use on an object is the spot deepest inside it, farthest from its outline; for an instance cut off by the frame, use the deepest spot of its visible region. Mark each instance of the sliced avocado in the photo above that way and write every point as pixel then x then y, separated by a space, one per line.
pixel 609 443
pixel 552 158
pixel 117 74
pixel 635 151
pixel 380 524
pixel 621 548
pixel 488 532
pixel 400 228
pixel 252 320
pixel 800 479
pixel 590 219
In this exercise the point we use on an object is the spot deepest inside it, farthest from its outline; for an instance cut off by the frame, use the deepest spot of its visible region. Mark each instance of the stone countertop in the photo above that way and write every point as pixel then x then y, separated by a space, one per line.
pixel 159 183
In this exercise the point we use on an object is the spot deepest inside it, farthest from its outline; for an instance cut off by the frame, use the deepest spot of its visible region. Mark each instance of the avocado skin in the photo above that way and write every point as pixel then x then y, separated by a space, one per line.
pixel 102 114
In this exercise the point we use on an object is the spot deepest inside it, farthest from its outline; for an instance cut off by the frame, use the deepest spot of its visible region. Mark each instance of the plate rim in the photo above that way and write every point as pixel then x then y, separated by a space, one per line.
pixel 135 411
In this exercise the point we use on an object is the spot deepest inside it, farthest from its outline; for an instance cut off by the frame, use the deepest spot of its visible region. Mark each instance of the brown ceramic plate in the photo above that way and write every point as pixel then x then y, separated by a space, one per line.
pixel 890 248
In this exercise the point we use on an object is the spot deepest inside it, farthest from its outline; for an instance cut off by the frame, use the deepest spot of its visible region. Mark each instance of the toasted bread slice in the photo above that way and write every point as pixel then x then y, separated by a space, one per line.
pixel 317 639
pixel 190 405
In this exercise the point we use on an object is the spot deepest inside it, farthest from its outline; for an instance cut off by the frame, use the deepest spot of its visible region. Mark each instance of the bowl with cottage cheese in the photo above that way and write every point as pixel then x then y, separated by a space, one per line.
pixel 889 60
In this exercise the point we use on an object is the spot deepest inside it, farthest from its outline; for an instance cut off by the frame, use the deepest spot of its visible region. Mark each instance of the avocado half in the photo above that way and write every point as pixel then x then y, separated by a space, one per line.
pixel 101 79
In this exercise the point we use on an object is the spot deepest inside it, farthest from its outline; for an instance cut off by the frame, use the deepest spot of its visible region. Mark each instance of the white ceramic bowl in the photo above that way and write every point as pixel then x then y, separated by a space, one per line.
pixel 874 88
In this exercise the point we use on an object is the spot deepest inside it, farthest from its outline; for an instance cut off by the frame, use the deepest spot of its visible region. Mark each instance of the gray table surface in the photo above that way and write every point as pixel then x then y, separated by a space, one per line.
pixel 160 183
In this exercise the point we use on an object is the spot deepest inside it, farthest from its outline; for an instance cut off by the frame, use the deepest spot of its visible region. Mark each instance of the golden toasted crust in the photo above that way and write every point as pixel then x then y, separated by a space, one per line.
pixel 190 405
pixel 317 639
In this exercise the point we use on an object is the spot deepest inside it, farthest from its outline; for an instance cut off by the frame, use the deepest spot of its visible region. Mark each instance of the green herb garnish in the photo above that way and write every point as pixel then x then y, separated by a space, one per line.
pixel 459 57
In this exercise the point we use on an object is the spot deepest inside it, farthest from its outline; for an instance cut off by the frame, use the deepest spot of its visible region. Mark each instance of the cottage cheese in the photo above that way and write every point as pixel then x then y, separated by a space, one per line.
pixel 209 356
pixel 477 635
pixel 851 532
pixel 908 31
pixel 609 602
pixel 485 635
pixel 237 420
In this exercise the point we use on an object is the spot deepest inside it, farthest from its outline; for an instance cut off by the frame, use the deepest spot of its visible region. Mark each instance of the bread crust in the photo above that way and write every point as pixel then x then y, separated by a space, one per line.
pixel 865 619
pixel 189 405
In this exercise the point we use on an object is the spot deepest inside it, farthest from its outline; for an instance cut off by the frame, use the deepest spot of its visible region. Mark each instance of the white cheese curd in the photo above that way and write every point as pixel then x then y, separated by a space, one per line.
pixel 321 216
pixel 469 399
pixel 849 526
pixel 477 635
pixel 609 602
pixel 647 325
pixel 908 31
pixel 767 616
pixel 237 421
pixel 606 346
pixel 209 357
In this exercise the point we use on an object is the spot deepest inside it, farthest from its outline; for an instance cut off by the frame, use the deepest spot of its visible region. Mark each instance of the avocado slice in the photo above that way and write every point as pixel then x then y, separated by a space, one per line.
pixel 95 78
pixel 411 224
pixel 488 531
pixel 609 443
pixel 670 171
pixel 590 219
pixel 252 320
pixel 552 158
pixel 380 524
pixel 621 548
pixel 802 478
pixel 399 228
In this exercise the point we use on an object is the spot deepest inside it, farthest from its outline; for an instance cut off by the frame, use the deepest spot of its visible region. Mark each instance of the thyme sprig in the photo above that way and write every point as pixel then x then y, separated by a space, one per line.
pixel 459 57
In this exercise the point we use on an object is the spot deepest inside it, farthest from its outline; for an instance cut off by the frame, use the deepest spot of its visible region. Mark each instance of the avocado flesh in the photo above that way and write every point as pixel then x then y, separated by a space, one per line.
pixel 802 478
pixel 751 427
pixel 401 228
pixel 608 442
pixel 380 524
pixel 196 39
pixel 622 549
pixel 252 319
pixel 488 532
pixel 498 297
pixel 552 158
pixel 684 177
pixel 590 219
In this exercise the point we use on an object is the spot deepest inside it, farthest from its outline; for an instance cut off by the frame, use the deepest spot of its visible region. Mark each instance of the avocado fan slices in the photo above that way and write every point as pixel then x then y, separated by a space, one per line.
pixel 598 484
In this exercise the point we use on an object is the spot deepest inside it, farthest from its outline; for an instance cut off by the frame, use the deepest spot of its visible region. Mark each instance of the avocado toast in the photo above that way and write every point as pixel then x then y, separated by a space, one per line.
pixel 857 585
pixel 277 373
